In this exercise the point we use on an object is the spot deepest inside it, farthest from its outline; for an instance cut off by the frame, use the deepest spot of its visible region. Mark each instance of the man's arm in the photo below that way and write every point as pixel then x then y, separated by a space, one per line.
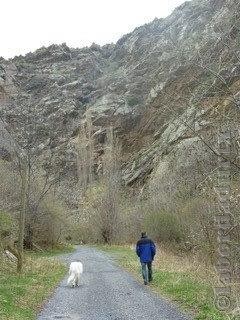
pixel 153 249
pixel 137 250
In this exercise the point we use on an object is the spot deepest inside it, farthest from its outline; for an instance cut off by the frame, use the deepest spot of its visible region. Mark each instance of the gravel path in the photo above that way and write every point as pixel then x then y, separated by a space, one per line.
pixel 106 292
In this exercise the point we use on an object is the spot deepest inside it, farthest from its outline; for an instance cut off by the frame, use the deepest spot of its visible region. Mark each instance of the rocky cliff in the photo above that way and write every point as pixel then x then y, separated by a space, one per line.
pixel 165 88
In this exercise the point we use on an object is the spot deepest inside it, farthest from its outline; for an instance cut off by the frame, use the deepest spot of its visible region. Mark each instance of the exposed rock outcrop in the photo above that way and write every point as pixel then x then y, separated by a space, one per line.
pixel 163 87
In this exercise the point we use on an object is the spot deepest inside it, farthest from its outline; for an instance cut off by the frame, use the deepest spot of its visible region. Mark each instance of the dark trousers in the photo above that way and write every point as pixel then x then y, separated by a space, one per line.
pixel 147 271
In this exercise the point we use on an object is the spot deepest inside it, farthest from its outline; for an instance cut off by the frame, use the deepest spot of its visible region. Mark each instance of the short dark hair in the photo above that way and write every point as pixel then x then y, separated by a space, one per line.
pixel 144 234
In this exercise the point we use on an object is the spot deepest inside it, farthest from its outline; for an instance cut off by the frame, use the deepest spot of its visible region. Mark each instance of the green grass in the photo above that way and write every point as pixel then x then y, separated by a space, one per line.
pixel 191 292
pixel 22 295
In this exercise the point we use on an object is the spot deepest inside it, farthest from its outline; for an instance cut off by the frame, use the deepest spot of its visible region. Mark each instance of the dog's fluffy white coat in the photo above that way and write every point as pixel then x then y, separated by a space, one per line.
pixel 75 271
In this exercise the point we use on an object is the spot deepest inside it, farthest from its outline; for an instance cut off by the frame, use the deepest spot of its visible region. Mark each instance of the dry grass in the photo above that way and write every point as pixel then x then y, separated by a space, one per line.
pixel 193 264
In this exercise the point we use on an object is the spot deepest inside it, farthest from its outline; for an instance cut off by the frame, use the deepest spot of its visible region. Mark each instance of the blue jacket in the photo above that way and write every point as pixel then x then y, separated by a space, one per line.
pixel 146 249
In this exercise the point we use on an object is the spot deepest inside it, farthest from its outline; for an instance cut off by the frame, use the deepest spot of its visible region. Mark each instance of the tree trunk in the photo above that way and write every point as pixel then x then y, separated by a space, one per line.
pixel 22 214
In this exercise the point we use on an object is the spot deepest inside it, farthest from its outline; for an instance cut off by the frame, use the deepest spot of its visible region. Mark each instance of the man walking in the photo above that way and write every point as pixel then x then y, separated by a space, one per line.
pixel 146 251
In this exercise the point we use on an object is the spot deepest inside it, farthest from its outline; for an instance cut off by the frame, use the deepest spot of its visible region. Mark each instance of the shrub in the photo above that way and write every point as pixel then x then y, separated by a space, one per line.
pixel 5 224
pixel 165 227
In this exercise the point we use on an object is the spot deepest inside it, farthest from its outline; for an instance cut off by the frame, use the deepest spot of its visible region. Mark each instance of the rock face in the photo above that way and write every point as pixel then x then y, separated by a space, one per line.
pixel 164 87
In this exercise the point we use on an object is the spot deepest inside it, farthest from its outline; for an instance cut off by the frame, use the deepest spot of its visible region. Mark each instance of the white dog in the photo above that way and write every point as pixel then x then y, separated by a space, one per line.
pixel 75 270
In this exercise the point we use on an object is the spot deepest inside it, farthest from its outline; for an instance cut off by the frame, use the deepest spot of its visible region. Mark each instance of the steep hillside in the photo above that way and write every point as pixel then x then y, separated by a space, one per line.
pixel 165 88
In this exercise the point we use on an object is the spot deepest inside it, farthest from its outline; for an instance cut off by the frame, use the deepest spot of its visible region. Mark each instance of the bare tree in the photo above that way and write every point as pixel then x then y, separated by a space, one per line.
pixel 22 215
pixel 111 179
pixel 85 154
pixel 11 146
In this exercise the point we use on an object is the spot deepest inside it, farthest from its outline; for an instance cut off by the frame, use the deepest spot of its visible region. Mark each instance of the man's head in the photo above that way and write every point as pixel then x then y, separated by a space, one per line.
pixel 144 234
